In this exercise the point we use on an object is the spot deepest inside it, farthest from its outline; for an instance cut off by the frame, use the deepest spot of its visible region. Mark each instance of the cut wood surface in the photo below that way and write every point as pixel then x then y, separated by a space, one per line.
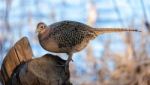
pixel 20 52
pixel 19 68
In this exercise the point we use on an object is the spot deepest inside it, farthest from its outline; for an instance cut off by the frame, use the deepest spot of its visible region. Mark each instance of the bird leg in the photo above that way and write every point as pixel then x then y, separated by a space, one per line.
pixel 68 61
pixel 66 65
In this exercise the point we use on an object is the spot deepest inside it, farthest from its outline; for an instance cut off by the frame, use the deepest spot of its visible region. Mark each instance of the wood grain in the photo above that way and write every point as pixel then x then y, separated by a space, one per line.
pixel 19 53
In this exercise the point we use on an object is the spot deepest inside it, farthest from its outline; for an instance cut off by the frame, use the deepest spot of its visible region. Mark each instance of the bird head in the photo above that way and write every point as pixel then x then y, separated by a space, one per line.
pixel 41 28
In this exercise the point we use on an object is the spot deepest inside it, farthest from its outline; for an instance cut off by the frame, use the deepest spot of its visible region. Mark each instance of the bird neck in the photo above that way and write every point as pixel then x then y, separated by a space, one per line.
pixel 43 35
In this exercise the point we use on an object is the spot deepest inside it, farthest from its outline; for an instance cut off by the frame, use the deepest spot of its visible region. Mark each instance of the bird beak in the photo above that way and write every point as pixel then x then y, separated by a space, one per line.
pixel 37 30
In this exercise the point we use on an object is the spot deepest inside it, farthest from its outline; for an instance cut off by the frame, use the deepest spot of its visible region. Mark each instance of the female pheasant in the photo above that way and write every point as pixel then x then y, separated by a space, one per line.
pixel 69 36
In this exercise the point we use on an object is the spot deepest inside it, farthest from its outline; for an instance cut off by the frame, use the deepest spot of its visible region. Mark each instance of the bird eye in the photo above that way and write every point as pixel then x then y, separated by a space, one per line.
pixel 42 26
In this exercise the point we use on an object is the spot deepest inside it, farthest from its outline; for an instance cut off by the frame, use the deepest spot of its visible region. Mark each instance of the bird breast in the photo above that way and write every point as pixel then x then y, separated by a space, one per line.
pixel 50 45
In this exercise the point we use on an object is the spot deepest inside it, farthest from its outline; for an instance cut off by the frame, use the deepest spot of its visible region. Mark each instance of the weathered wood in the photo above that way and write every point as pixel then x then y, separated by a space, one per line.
pixel 20 52
pixel 19 68
pixel 41 71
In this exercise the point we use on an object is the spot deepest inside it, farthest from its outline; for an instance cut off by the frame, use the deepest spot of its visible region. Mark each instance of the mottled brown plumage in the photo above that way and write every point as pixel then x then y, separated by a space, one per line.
pixel 69 36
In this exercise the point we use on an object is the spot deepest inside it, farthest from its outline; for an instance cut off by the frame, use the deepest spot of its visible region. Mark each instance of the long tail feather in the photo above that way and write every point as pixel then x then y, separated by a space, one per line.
pixel 110 30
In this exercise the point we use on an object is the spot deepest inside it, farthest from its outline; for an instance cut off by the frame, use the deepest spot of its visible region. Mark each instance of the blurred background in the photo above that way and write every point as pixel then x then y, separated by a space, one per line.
pixel 111 59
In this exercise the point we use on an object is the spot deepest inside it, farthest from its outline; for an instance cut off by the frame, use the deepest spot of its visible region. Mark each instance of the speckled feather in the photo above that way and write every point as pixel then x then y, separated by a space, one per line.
pixel 70 33
pixel 70 36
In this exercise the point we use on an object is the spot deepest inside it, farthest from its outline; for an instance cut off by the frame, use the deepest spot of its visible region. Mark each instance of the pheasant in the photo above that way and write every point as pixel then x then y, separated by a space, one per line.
pixel 70 36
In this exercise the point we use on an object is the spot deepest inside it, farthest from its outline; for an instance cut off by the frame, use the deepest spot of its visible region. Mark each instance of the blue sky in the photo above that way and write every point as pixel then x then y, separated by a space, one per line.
pixel 25 14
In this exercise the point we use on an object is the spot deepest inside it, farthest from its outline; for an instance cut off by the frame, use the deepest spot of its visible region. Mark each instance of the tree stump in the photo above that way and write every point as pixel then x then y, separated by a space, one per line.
pixel 20 52
pixel 20 69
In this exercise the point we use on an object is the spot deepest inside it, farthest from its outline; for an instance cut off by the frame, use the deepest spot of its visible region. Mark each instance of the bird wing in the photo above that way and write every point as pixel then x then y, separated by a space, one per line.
pixel 71 33
pixel 71 37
